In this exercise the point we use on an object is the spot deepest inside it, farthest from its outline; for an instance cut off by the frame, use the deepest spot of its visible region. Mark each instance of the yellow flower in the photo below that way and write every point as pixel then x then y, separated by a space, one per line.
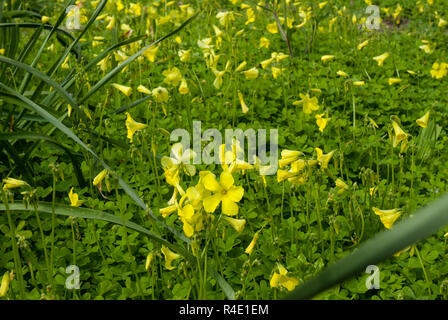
pixel 380 59
pixel 74 199
pixel 183 88
pixel 150 53
pixel 2 51
pixel 250 15
pixel 135 8
pixel 322 158
pixel 266 63
pixel 322 4
pixel 133 126
pixel 165 212
pixel 264 42
pixel 45 19
pixel 388 217
pixel 149 259
pixel 341 185
pixel 225 18
pixel 244 107
pixel 423 121
pixel 170 256
pixel 251 73
pixel 399 135
pixel 180 159
pixel 143 89
pixel 439 70
pixel 186 215
pixel 224 192
pixel 363 44
pixel 321 121
pixel 124 89
pixel 327 58
pixel 160 94
pixel 111 23
pixel 342 74
pixel 281 279
pixel 241 66
pixel 289 156
pixel 272 27
pixel 309 104
pixel 276 72
pixel 237 224
pixel 442 23
pixel 10 183
pixel 172 76
pixel 358 83
pixel 5 285
pixel 184 55
pixel 100 177
pixel 426 47
pixel 251 246
pixel 393 81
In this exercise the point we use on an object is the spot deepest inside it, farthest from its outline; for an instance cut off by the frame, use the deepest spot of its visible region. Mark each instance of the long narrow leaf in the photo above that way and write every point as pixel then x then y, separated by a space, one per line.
pixel 418 226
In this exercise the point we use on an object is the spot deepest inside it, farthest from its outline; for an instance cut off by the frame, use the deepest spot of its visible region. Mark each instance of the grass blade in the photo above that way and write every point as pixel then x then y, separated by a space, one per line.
pixel 418 226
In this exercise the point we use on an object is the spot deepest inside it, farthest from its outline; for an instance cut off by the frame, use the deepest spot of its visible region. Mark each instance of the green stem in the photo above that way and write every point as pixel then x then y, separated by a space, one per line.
pixel 17 262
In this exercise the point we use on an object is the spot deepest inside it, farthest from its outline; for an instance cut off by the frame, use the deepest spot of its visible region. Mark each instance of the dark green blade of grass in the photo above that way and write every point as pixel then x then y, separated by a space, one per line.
pixel 418 226
pixel 36 136
pixel 86 213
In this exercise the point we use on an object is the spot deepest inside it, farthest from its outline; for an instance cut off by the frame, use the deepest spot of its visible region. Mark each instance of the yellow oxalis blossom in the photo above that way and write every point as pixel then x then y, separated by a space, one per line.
pixel 358 83
pixel 124 89
pixel 4 287
pixel 143 89
pixel 423 121
pixel 321 121
pixel 170 256
pixel 380 59
pixel 439 70
pixel 149 259
pixel 272 27
pixel 264 42
pixel 160 94
pixel 251 246
pixel 225 18
pixel 150 53
pixel 399 134
pixel 241 66
pixel 393 81
pixel 341 185
pixel 133 126
pixel 289 156
pixel 100 177
pixel 183 88
pixel 309 104
pixel 244 107
pixel 327 58
pixel 237 224
pixel 251 73
pixel 10 183
pixel 281 279
pixel 223 191
pixel 276 72
pixel 184 55
pixel 180 159
pixel 74 199
pixel 363 44
pixel 172 76
pixel 388 217
pixel 322 158
pixel 342 74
